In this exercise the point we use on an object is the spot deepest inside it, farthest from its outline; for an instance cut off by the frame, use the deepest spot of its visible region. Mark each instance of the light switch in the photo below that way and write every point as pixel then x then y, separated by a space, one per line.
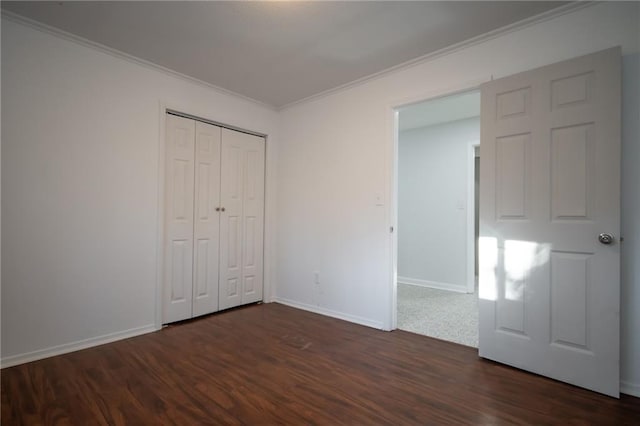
pixel 379 198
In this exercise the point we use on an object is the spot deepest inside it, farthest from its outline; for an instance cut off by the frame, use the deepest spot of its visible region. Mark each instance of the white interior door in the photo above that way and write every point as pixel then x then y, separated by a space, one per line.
pixel 178 245
pixel 550 184
pixel 206 219
pixel 241 221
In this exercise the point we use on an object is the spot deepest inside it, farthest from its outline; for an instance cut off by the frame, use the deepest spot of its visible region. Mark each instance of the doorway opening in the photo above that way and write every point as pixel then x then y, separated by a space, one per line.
pixel 437 213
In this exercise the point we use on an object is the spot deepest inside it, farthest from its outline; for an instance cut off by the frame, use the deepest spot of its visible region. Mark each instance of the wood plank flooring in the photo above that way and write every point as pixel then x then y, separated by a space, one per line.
pixel 271 364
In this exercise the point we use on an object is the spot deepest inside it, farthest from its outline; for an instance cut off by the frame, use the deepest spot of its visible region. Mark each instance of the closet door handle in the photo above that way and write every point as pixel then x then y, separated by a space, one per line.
pixel 222 209
pixel 217 209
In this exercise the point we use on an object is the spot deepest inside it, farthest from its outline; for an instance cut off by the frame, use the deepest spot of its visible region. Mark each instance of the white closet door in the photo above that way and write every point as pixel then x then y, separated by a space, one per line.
pixel 253 219
pixel 206 219
pixel 230 219
pixel 241 223
pixel 178 229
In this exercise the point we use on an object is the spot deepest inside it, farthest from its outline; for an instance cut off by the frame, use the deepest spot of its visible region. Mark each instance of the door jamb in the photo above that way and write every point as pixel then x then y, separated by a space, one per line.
pixel 471 223
pixel 162 109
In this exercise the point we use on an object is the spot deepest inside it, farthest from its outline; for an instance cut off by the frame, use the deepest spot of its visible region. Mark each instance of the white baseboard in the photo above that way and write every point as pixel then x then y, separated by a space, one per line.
pixel 629 388
pixel 432 284
pixel 12 360
pixel 329 313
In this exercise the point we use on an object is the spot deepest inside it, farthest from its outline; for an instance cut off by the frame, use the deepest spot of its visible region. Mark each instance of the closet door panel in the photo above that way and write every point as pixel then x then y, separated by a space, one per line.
pixel 231 195
pixel 253 220
pixel 178 224
pixel 206 219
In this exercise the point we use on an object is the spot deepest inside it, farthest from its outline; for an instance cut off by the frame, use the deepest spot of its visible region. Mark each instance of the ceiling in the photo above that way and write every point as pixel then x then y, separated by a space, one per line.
pixel 278 52
pixel 441 110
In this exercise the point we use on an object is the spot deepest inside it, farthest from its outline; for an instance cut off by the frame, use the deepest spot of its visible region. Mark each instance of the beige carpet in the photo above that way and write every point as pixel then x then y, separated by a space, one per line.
pixel 441 314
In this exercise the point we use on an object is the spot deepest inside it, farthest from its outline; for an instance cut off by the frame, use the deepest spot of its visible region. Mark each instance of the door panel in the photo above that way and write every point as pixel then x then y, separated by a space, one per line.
pixel 178 228
pixel 180 275
pixel 569 293
pixel 207 219
pixel 571 165
pixel 513 155
pixel 550 179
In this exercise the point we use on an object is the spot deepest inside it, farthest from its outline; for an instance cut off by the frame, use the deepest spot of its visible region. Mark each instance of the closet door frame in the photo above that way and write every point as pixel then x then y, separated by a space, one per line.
pixel 269 225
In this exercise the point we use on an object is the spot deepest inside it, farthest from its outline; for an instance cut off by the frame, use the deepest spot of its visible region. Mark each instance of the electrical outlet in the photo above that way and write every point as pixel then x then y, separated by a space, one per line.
pixel 316 277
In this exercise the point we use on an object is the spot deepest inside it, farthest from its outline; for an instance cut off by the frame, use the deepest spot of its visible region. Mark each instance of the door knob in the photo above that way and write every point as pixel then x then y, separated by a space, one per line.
pixel 605 238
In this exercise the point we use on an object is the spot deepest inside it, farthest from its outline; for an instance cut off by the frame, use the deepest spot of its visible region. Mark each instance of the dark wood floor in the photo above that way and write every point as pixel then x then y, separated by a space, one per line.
pixel 271 364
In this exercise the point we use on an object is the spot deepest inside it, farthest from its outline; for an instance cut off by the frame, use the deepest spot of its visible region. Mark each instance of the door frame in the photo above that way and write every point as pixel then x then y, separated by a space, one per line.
pixel 392 178
pixel 471 210
pixel 269 222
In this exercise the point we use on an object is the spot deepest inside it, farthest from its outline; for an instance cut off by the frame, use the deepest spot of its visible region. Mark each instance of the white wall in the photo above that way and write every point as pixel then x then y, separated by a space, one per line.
pixel 80 142
pixel 433 180
pixel 336 155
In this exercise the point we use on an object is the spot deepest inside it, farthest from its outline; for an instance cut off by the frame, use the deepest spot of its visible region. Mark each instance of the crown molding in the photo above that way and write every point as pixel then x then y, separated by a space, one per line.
pixel 542 17
pixel 516 26
pixel 57 32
